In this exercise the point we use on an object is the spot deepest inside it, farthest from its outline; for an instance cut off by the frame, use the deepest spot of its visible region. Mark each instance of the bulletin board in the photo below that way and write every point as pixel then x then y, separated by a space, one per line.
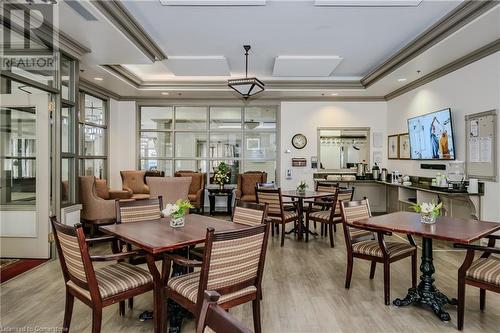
pixel 481 145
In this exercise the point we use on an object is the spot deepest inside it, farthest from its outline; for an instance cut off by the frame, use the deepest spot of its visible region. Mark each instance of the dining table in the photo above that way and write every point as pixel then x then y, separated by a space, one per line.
pixel 446 228
pixel 155 237
pixel 299 197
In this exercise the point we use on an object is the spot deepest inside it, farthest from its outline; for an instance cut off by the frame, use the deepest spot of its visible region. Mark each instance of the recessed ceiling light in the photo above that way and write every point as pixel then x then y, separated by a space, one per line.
pixel 334 94
pixel 401 80
pixel 98 78
pixel 164 93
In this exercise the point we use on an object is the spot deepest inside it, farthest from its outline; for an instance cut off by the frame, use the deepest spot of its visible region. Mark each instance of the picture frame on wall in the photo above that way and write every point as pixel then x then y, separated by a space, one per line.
pixel 393 147
pixel 404 146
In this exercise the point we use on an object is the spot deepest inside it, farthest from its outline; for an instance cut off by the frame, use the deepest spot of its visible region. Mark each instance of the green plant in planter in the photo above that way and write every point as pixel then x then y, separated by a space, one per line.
pixel 221 175
pixel 301 188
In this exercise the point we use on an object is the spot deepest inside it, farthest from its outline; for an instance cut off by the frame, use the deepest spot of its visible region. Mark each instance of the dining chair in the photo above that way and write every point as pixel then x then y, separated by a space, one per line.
pixel 233 265
pixel 342 194
pixel 484 273
pixel 96 287
pixel 361 243
pixel 276 213
pixel 327 215
pixel 216 318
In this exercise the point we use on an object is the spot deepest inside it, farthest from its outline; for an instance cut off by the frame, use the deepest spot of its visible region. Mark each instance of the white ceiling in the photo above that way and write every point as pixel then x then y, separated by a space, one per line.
pixel 363 36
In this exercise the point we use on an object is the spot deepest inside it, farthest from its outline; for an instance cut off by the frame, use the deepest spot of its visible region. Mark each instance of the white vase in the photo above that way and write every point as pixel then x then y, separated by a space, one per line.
pixel 177 222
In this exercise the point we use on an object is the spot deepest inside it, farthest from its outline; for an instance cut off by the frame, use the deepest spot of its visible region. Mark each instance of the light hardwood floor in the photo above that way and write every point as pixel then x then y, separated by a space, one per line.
pixel 303 292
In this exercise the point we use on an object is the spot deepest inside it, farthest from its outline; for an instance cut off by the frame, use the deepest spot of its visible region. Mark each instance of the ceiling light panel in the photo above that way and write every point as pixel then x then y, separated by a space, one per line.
pixel 308 66
pixel 213 2
pixel 367 3
pixel 198 65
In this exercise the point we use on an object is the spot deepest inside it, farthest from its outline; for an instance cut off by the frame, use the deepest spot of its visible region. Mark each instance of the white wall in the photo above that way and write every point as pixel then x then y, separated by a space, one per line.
pixel 122 140
pixel 471 89
pixel 306 117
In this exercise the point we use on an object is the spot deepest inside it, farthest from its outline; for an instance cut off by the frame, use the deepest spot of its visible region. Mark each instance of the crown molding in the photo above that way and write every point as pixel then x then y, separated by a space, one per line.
pixel 49 34
pixel 474 56
pixel 124 21
pixel 97 90
pixel 453 21
pixel 123 74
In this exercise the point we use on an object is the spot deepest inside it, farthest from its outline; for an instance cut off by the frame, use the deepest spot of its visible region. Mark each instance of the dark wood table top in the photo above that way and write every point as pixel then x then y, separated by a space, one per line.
pixel 158 236
pixel 306 195
pixel 446 228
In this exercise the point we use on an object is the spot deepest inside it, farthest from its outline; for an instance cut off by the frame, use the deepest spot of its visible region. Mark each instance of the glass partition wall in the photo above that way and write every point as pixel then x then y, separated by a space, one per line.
pixel 198 138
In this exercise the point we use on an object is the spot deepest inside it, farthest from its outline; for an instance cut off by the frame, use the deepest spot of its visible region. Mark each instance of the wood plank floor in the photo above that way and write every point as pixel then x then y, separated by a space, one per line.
pixel 303 292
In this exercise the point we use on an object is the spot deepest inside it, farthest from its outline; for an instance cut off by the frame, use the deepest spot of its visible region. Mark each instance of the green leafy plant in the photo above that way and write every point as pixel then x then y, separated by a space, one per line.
pixel 302 186
pixel 428 208
pixel 179 209
pixel 221 175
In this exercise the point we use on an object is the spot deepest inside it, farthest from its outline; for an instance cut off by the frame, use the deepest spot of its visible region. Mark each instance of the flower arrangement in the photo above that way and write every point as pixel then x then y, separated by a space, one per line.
pixel 177 211
pixel 301 188
pixel 221 175
pixel 428 211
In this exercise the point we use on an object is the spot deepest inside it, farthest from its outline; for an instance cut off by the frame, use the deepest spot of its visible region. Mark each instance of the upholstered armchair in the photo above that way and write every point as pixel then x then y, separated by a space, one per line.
pixel 103 191
pixel 96 211
pixel 245 185
pixel 196 193
pixel 133 181
pixel 170 188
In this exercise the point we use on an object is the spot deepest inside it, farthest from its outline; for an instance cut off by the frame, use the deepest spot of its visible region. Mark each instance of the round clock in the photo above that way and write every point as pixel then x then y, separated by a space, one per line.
pixel 299 141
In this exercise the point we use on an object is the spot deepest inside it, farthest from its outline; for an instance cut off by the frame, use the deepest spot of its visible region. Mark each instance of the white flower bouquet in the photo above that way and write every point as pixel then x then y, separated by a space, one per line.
pixel 177 211
pixel 428 211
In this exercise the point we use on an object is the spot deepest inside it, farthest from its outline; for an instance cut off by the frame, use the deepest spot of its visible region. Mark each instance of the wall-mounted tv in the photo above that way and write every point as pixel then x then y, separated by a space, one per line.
pixel 431 136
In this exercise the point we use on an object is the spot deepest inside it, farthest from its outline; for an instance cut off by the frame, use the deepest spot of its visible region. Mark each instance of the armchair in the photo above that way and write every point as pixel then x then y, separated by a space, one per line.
pixel 484 273
pixel 245 185
pixel 133 181
pixel 103 191
pixel 170 188
pixel 96 211
pixel 196 193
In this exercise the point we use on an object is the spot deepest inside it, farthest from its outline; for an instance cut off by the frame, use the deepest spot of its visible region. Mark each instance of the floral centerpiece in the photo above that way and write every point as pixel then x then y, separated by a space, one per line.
pixel 428 211
pixel 221 175
pixel 177 211
pixel 301 188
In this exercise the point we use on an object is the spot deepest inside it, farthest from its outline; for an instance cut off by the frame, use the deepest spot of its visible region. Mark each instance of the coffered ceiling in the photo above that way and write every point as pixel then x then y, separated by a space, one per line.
pixel 300 49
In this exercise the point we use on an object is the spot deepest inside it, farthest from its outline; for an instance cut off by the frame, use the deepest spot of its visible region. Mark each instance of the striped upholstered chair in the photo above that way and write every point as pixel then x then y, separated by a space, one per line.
pixel 484 273
pixel 99 287
pixel 361 244
pixel 233 264
pixel 276 212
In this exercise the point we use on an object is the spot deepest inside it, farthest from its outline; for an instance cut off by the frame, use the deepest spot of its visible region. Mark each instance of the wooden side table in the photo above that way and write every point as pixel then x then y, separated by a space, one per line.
pixel 220 192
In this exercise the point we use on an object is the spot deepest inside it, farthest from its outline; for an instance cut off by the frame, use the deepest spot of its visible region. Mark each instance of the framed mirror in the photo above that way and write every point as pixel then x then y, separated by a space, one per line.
pixel 343 147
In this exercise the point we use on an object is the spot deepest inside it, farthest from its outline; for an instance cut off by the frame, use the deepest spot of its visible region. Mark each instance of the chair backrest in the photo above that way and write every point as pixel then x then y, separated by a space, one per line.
pixel 326 187
pixel 271 185
pixel 343 194
pixel 249 213
pixel 138 210
pixel 354 211
pixel 170 188
pixel 233 260
pixel 197 180
pixel 134 180
pixel 215 317
pixel 271 197
pixel 74 256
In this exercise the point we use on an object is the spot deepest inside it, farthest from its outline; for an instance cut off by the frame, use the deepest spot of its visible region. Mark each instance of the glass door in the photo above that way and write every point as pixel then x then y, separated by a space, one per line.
pixel 24 170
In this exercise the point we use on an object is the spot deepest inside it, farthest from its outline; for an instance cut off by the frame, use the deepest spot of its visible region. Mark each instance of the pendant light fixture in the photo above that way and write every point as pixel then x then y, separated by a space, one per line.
pixel 246 87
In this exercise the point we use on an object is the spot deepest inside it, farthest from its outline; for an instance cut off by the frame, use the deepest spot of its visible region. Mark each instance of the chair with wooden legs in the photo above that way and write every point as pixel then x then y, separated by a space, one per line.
pixel 361 243
pixel 327 216
pixel 99 287
pixel 233 264
pixel 276 212
pixel 135 211
pixel 483 273
pixel 216 318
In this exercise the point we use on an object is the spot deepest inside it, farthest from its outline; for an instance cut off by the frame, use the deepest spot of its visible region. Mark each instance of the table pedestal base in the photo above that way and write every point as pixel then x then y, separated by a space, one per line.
pixel 426 293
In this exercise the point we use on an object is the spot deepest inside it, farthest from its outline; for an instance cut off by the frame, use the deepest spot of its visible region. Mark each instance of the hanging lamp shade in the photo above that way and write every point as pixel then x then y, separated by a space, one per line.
pixel 248 86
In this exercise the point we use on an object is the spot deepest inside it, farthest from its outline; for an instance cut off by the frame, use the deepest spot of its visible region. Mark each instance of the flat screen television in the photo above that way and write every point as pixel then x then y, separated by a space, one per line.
pixel 431 136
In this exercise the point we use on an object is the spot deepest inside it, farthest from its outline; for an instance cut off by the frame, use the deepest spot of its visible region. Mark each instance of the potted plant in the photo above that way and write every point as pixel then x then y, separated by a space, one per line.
pixel 428 211
pixel 176 212
pixel 301 188
pixel 221 175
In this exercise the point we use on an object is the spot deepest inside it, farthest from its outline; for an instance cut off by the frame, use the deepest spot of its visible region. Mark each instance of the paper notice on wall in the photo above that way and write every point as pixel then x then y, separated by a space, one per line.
pixel 474 150
pixel 474 128
pixel 485 149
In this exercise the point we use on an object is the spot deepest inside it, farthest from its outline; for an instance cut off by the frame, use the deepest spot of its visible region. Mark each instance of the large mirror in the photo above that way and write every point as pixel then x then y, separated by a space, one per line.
pixel 343 148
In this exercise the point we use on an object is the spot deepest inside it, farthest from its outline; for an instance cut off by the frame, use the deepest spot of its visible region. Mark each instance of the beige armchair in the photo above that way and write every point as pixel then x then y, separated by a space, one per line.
pixel 133 181
pixel 245 185
pixel 170 188
pixel 196 193
pixel 96 211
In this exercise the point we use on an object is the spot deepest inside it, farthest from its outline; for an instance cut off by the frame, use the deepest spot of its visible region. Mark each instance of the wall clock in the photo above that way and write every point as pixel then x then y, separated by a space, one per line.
pixel 299 141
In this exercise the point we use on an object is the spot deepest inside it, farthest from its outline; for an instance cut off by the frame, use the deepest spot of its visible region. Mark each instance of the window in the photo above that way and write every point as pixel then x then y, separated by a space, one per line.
pixel 198 138
pixel 93 146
